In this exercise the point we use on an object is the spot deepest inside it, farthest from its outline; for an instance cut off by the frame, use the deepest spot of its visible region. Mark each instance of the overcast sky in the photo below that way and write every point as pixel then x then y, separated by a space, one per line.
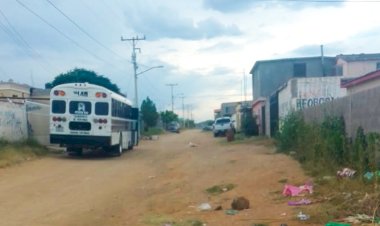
pixel 207 47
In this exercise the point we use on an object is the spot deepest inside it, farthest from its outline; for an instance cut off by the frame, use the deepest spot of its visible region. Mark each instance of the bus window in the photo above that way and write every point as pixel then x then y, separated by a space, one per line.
pixel 101 108
pixel 80 107
pixel 58 106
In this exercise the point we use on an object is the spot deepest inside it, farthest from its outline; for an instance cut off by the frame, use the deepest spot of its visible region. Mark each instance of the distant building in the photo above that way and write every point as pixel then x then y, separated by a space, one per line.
pixel 268 75
pixel 40 95
pixel 368 81
pixel 217 113
pixel 11 91
pixel 228 109
pixel 259 113
pixel 18 93
pixel 355 65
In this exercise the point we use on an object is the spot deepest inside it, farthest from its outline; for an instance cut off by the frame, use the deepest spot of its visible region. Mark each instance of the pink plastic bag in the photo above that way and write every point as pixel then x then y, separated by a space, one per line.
pixel 291 190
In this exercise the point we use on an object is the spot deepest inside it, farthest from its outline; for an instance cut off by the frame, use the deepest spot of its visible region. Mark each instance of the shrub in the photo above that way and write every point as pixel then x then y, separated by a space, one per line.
pixel 326 145
pixel 290 132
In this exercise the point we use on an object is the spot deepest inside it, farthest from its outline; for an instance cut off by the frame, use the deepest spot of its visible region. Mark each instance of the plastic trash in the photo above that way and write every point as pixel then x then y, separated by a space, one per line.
pixel 346 172
pixel 369 175
pixel 204 207
pixel 192 145
pixel 303 217
pixel 291 190
pixel 336 224
pixel 231 212
pixel 299 202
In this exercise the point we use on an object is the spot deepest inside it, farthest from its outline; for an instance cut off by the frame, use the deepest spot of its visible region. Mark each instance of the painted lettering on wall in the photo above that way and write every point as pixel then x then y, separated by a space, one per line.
pixel 302 103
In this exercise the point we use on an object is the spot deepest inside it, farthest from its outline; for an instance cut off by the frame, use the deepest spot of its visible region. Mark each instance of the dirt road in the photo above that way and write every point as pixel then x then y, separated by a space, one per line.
pixel 160 181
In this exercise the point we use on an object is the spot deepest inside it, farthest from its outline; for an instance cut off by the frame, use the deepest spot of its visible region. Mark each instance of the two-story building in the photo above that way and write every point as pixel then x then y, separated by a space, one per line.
pixel 268 75
pixel 355 65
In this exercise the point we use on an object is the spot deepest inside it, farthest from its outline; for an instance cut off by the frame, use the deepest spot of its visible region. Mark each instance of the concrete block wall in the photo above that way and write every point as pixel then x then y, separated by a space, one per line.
pixel 38 121
pixel 13 123
pixel 360 109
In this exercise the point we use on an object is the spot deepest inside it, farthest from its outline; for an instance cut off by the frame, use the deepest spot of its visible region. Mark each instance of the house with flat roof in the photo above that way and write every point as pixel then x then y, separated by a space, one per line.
pixel 268 75
pixel 354 65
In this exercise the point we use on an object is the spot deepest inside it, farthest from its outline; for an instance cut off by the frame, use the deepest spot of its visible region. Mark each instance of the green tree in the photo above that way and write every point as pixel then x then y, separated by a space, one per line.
pixel 149 113
pixel 168 116
pixel 82 75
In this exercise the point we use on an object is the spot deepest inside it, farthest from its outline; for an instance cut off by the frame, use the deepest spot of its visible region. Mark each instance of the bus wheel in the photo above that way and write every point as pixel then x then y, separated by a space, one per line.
pixel 118 149
pixel 71 151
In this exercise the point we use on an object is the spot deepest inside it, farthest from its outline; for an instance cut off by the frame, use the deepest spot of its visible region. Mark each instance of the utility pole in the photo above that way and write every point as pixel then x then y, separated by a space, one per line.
pixel 134 42
pixel 183 110
pixel 171 87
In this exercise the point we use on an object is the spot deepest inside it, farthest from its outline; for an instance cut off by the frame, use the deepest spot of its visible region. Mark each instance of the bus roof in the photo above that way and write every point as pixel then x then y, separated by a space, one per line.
pixel 112 94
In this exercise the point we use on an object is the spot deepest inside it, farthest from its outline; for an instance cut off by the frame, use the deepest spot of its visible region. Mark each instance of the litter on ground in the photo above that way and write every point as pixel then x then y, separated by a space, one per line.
pixel 337 224
pixel 192 145
pixel 204 207
pixel 370 175
pixel 346 172
pixel 291 190
pixel 231 212
pixel 299 202
pixel 359 218
pixel 303 217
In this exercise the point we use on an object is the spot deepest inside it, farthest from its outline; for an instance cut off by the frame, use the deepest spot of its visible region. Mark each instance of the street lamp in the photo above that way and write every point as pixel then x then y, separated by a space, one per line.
pixel 139 73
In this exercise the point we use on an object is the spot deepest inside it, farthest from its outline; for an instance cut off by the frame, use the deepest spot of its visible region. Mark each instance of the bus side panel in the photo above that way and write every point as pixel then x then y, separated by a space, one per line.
pixel 135 126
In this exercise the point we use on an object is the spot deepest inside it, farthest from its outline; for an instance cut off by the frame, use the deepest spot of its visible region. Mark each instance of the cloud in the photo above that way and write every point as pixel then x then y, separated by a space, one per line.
pixel 227 6
pixel 162 22
pixel 357 43
pixel 219 47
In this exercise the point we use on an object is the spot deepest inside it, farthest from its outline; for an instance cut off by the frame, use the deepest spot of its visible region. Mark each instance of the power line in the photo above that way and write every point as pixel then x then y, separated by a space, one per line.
pixel 83 30
pixel 17 37
pixel 62 33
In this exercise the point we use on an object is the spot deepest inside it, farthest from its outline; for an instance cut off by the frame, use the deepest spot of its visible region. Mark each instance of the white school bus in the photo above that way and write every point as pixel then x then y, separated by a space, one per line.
pixel 87 116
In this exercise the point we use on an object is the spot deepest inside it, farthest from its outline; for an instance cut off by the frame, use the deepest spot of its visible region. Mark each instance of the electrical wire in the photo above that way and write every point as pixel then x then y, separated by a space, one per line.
pixel 62 33
pixel 22 43
pixel 84 31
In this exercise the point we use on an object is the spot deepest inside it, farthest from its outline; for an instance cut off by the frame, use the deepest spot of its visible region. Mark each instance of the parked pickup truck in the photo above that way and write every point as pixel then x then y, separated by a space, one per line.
pixel 221 125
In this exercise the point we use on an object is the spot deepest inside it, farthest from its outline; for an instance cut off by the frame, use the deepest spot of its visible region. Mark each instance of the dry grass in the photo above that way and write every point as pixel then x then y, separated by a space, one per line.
pixel 345 197
pixel 159 220
pixel 336 198
pixel 14 153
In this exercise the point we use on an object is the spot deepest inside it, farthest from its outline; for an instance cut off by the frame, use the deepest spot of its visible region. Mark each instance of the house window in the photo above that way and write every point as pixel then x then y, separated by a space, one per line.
pixel 378 66
pixel 299 69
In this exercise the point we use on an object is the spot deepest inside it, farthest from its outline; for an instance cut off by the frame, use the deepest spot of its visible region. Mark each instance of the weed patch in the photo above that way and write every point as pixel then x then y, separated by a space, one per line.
pixel 324 148
pixel 13 153
pixel 152 131
pixel 218 189
pixel 283 181
pixel 159 220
